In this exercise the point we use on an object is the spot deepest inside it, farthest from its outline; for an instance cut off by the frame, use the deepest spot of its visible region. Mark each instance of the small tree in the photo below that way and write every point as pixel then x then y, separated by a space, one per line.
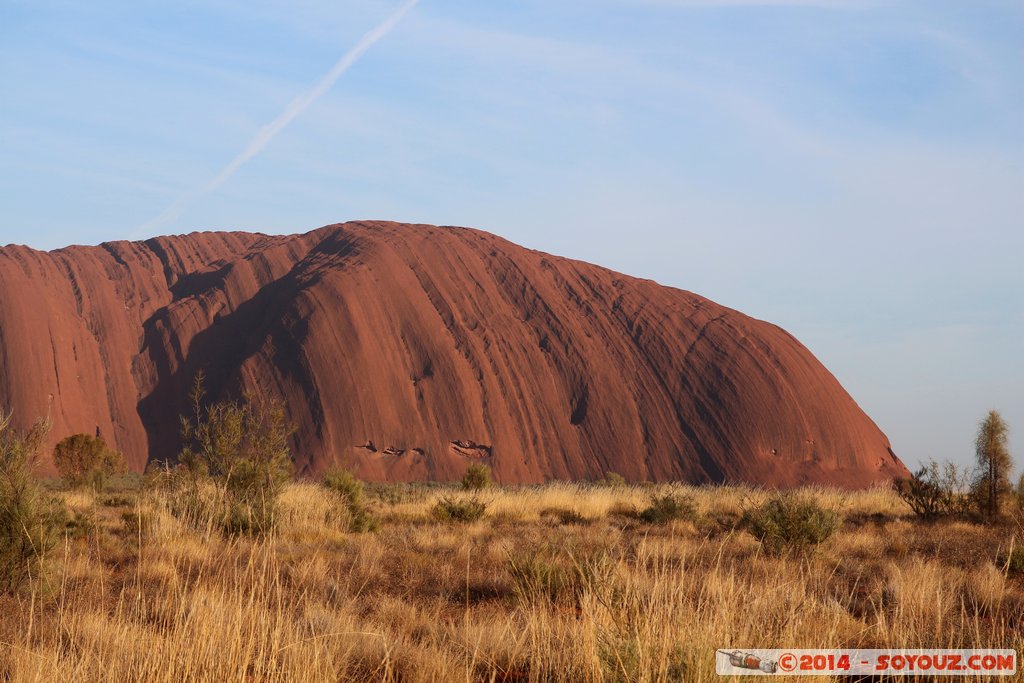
pixel 86 460
pixel 29 523
pixel 933 491
pixel 991 448
pixel 477 476
pixel 242 445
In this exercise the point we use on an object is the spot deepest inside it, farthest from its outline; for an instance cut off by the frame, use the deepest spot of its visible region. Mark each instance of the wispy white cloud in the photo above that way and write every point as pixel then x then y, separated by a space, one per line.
pixel 291 112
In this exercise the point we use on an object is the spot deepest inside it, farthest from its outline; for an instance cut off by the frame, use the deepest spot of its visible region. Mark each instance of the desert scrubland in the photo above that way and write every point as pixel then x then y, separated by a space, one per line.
pixel 560 582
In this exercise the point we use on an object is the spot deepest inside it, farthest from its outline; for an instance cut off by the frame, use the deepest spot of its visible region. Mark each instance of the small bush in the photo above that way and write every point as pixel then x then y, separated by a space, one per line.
pixel 613 480
pixel 85 460
pixel 249 516
pixel 360 521
pixel 536 575
pixel 546 574
pixel 449 509
pixel 564 515
pixel 621 659
pixel 1015 561
pixel 933 492
pixel 345 484
pixel 669 507
pixel 243 447
pixel 477 477
pixel 350 489
pixel 30 523
pixel 399 493
pixel 791 522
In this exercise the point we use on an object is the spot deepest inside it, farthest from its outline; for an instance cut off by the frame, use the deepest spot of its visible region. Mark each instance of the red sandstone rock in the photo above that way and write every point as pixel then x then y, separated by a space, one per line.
pixel 409 351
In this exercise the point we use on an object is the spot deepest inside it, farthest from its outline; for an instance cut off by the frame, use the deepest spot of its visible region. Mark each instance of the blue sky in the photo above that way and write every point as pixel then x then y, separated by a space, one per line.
pixel 852 170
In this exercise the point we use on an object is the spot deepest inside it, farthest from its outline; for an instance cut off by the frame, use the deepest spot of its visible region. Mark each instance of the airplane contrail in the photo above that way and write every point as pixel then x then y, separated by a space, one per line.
pixel 293 110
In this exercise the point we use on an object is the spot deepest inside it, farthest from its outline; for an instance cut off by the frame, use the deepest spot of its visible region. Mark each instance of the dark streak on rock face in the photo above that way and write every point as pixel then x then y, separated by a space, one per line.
pixel 432 341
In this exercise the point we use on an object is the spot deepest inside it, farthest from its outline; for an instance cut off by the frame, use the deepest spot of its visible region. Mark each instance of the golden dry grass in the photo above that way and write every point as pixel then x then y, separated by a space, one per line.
pixel 526 594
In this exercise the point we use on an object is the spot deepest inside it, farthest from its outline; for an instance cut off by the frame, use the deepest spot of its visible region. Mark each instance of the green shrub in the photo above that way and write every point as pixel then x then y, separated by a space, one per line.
pixel 536 575
pixel 399 493
pixel 250 516
pixel 85 460
pixel 449 509
pixel 1015 561
pixel 360 521
pixel 547 574
pixel 243 447
pixel 350 489
pixel 621 659
pixel 477 477
pixel 613 480
pixel 669 507
pixel 345 484
pixel 30 523
pixel 791 522
pixel 564 515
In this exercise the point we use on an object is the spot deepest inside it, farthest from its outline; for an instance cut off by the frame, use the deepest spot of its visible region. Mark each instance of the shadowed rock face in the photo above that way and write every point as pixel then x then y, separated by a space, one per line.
pixel 408 351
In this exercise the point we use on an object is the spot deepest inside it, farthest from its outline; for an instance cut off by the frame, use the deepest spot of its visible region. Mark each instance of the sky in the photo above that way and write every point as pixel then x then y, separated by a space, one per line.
pixel 852 170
